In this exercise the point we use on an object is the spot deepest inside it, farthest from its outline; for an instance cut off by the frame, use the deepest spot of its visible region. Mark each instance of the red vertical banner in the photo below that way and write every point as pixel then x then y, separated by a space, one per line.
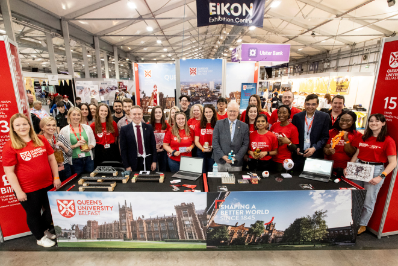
pixel 385 101
pixel 256 70
pixel 137 84
pixel 12 100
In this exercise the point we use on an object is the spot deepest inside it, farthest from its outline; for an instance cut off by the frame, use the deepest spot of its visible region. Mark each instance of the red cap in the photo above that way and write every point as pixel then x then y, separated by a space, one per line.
pixel 56 94
pixel 66 96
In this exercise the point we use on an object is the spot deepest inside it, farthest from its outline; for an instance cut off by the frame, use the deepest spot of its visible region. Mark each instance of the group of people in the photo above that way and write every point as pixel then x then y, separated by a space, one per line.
pixel 79 138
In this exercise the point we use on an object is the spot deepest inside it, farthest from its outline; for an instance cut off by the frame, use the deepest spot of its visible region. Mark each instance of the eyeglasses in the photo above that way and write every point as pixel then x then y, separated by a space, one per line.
pixel 345 120
pixel 184 101
pixel 311 104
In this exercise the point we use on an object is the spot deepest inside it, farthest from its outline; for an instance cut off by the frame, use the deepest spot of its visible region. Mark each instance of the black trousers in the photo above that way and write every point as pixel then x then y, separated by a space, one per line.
pixel 110 154
pixel 38 222
pixel 140 164
pixel 259 165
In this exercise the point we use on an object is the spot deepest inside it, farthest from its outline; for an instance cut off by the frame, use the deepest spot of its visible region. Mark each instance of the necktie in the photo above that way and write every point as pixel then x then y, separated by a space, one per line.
pixel 139 140
pixel 230 130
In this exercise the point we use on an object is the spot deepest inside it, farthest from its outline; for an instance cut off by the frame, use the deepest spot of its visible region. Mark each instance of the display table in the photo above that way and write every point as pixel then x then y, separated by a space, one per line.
pixel 150 215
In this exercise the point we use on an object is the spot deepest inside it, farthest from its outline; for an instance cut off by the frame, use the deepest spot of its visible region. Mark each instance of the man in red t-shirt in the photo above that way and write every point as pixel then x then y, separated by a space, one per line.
pixel 287 99
pixel 222 108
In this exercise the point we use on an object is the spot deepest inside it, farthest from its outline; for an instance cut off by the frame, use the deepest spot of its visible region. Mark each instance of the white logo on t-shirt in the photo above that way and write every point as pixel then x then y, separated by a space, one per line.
pixel 26 156
pixel 100 135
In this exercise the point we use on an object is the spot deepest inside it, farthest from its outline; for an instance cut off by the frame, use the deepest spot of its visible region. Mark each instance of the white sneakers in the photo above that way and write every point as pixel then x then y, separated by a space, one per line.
pixel 49 235
pixel 45 242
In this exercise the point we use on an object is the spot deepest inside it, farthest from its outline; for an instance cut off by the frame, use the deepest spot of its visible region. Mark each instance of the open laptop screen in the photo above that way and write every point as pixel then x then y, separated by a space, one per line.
pixel 318 166
pixel 190 164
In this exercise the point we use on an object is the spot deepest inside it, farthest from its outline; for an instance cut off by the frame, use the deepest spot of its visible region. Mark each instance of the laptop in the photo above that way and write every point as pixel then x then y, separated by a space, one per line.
pixel 190 168
pixel 317 169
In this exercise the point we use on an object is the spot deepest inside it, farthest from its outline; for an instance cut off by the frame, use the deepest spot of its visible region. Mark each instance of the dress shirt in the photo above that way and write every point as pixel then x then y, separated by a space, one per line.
pixel 309 120
pixel 233 128
pixel 142 136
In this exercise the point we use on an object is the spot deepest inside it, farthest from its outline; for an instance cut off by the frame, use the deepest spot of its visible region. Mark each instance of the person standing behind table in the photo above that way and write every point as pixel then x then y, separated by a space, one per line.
pixel 68 103
pixel 118 108
pixel 48 130
pixel 36 123
pixel 288 137
pixel 62 116
pixel 158 123
pixel 254 100
pixel 230 135
pixel 54 110
pixel 31 170
pixel 133 98
pixel 251 115
pixel 81 139
pixel 185 100
pixel 172 116
pixel 287 100
pixel 342 153
pixel 126 119
pixel 337 110
pixel 106 133
pixel 274 101
pixel 137 143
pixel 374 148
pixel 263 140
pixel 38 110
pixel 204 137
pixel 93 110
pixel 86 114
pixel 30 100
pixel 78 101
pixel 313 129
pixel 222 108
pixel 195 116
pixel 179 141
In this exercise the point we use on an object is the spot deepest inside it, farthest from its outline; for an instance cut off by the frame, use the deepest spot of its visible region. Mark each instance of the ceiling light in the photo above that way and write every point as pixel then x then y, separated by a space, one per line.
pixel 358 29
pixel 127 59
pixel 239 40
pixel 172 58
pixel 183 58
pixel 121 64
pixel 225 54
pixel 221 37
pixel 252 27
pixel 2 31
pixel 102 59
pixel 300 49
pixel 154 59
pixel 94 67
pixel 164 49
pixel 163 55
pixel 231 48
pixel 131 5
pixel 323 41
pixel 142 58
pixel 169 55
pixel 89 55
pixel 33 56
pixel 142 41
pixel 63 6
pixel 159 41
pixel 129 48
pixel 149 28
pixel 145 48
pixel 275 4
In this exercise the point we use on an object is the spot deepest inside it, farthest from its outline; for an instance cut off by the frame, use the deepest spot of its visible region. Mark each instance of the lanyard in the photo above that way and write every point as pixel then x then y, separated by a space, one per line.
pixel 333 119
pixel 309 127
pixel 127 122
pixel 80 132
pixel 54 140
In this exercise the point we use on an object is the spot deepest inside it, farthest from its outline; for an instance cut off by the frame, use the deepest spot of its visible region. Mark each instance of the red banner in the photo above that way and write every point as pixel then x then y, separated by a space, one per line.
pixel 385 101
pixel 137 85
pixel 13 100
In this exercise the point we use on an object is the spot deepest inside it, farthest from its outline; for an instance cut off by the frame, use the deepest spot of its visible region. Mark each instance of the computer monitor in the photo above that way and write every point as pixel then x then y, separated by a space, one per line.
pixel 190 164
pixel 318 166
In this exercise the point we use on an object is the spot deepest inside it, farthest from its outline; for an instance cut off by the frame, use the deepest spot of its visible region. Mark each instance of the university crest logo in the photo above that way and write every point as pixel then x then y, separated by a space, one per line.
pixel 192 71
pixel 148 73
pixel 26 156
pixel 394 59
pixel 66 208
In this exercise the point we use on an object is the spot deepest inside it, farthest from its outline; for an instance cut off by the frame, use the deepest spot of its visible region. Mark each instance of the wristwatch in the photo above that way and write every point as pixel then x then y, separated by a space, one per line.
pixel 172 154
pixel 383 175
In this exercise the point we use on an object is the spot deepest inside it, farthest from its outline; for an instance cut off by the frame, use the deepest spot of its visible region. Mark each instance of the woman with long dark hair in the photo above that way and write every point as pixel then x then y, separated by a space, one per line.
pixel 106 133
pixel 251 115
pixel 255 100
pixel 87 117
pixel 204 137
pixel 31 169
pixel 93 110
pixel 160 127
pixel 374 148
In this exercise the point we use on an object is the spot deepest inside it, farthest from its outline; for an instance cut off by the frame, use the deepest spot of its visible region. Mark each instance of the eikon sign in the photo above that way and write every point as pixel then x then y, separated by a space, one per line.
pixel 232 12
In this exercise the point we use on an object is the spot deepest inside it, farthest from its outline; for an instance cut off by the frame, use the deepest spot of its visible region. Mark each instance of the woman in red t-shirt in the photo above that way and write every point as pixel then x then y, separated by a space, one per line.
pixel 195 116
pixel 340 137
pixel 178 142
pixel 31 169
pixel 106 133
pixel 254 100
pixel 204 137
pixel 263 145
pixel 374 148
pixel 288 137
pixel 251 115
pixel 160 127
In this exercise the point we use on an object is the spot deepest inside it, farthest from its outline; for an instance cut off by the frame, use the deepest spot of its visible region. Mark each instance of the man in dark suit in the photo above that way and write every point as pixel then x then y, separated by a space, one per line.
pixel 313 128
pixel 137 143
pixel 230 134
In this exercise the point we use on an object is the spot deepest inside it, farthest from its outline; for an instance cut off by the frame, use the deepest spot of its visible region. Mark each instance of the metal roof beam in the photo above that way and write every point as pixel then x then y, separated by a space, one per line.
pixel 89 9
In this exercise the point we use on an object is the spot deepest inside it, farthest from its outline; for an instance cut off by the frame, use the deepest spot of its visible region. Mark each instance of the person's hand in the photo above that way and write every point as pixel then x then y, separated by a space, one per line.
pixel 252 154
pixel 330 151
pixel 159 150
pixel 89 148
pixel 60 144
pixel 128 169
pixel 309 152
pixel 375 180
pixel 346 136
pixel 80 143
pixel 345 171
pixel 262 154
pixel 21 196
pixel 299 152
pixel 283 140
pixel 57 183
pixel 177 153
pixel 153 166
pixel 208 149
pixel 189 149
pixel 225 157
pixel 246 158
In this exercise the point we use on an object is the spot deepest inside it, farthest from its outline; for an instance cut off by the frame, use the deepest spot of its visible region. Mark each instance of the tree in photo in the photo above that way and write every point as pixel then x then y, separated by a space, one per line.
pixel 58 230
pixel 218 236
pixel 257 229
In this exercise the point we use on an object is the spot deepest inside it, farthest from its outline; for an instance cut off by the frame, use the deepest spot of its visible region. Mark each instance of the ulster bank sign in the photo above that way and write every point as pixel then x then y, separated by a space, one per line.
pixel 232 12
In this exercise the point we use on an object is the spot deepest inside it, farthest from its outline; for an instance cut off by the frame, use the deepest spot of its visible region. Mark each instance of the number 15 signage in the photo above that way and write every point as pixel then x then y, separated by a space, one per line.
pixel 385 101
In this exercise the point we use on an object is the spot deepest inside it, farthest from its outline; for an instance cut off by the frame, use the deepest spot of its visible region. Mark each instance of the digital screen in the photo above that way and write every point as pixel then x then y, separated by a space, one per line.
pixel 190 164
pixel 316 166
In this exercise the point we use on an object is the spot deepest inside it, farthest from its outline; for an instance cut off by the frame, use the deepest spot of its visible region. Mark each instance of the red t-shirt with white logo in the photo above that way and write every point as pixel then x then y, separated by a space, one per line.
pixel 185 142
pixel 375 151
pixel 221 117
pixel 341 158
pixel 290 131
pixel 243 116
pixel 31 164
pixel 160 133
pixel 104 137
pixel 251 128
pixel 193 124
pixel 205 134
pixel 266 142
pixel 274 116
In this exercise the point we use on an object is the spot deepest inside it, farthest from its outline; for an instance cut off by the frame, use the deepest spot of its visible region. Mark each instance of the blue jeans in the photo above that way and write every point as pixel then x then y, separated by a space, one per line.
pixel 66 173
pixel 174 165
pixel 207 161
pixel 371 196
pixel 82 165
pixel 162 161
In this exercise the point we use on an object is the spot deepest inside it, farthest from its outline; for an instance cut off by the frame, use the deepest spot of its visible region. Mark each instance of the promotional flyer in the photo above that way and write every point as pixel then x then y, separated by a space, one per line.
pixel 247 90
pixel 201 79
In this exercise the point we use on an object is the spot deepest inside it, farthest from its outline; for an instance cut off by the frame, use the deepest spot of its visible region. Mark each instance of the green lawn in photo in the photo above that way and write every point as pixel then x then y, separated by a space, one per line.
pixel 133 244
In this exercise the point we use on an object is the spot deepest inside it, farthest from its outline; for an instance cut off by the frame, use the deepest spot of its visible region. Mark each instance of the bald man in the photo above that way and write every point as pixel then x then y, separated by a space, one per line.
pixel 30 100
pixel 287 99
pixel 230 134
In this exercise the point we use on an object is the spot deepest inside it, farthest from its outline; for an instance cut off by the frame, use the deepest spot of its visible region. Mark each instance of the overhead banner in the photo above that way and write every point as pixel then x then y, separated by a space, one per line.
pixel 201 79
pixel 157 83
pixel 275 54
pixel 248 89
pixel 232 12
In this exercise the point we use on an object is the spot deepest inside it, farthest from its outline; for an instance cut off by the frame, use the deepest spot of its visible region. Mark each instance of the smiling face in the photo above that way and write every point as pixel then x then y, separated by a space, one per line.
pixel 172 114
pixel 50 128
pixel 75 117
pixel 375 124
pixel 180 120
pixel 196 112
pixel 208 114
pixel 253 101
pixel 261 123
pixel 252 113
pixel 127 107
pixel 310 106
pixel 117 107
pixel 136 115
pixel 283 114
pixel 337 105
pixel 84 110
pixel 158 114
pixel 37 106
pixel 21 127
pixel 346 122
pixel 221 106
pixel 287 98
pixel 103 112
pixel 93 109
pixel 184 103
pixel 233 111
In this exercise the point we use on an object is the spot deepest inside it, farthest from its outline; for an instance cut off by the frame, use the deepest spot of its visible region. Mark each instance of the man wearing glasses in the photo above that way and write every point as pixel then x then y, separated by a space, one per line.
pixel 184 102
pixel 313 128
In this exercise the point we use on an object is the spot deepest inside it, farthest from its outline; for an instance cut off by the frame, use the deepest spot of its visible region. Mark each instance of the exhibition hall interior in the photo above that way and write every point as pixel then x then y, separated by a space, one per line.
pixel 198 132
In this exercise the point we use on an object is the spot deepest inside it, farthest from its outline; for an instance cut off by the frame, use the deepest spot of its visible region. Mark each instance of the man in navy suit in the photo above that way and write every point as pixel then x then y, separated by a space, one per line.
pixel 313 128
pixel 137 143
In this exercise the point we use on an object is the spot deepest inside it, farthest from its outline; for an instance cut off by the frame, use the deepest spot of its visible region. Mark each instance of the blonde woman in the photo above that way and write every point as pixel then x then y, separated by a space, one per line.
pixel 173 111
pixel 178 141
pixel 81 139
pixel 195 116
pixel 58 142
pixel 31 170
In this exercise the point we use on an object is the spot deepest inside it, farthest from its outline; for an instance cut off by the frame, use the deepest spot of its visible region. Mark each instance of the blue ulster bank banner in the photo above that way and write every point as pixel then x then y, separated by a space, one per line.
pixel 232 12
pixel 248 89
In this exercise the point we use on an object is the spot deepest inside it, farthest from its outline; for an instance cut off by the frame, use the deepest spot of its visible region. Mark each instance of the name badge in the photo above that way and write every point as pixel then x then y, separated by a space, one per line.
pixel 307 141
pixel 106 146
pixel 182 149
pixel 81 155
